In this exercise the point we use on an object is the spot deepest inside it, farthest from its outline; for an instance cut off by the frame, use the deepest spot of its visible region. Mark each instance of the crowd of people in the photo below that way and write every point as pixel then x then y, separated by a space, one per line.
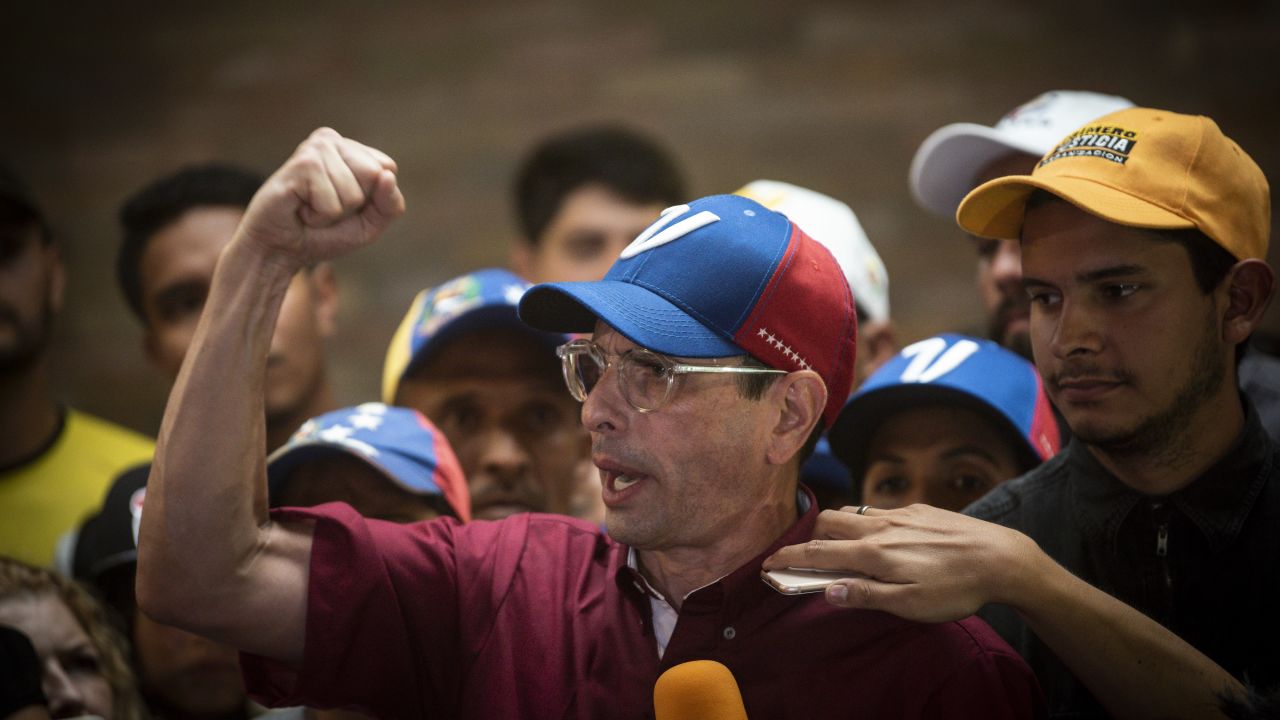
pixel 585 468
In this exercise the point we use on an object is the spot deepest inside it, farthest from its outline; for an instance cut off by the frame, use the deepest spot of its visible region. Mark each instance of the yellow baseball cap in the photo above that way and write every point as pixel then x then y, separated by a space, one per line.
pixel 1141 168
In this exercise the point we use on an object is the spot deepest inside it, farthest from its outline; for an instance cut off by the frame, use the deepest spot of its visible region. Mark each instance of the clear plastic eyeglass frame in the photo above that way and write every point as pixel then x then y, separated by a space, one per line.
pixel 646 378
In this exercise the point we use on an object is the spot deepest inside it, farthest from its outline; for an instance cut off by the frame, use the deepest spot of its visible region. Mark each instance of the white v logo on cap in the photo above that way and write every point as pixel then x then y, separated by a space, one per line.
pixel 661 232
pixel 931 359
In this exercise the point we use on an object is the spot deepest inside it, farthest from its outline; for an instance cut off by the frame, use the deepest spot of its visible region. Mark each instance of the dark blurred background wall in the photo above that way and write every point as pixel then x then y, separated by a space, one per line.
pixel 100 98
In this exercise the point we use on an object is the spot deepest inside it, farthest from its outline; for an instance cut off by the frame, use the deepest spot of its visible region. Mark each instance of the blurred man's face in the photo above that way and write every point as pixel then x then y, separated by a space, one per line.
pixel 176 270
pixel 499 398
pixel 1000 270
pixel 341 477
pixel 939 455
pixel 31 284
pixel 585 237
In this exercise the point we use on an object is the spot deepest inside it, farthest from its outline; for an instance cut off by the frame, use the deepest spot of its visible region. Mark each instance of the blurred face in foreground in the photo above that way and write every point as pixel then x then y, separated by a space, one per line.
pixel 73 681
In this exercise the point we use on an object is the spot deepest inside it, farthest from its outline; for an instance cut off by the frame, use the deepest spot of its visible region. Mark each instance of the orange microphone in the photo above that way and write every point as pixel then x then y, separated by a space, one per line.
pixel 698 690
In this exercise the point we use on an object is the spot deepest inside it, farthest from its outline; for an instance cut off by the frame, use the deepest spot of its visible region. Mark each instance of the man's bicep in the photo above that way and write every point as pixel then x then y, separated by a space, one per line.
pixel 267 616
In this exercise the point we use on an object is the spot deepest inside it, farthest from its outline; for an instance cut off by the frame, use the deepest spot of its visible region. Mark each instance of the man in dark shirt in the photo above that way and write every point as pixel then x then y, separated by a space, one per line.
pixel 721 341
pixel 1142 238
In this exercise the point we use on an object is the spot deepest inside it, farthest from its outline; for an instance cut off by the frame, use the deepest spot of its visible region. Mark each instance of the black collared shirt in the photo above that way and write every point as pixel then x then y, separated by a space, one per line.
pixel 1203 561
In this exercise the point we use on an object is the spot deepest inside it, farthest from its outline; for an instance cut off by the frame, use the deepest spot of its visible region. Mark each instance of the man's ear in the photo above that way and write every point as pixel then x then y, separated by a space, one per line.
pixel 879 344
pixel 800 397
pixel 520 257
pixel 324 289
pixel 1249 286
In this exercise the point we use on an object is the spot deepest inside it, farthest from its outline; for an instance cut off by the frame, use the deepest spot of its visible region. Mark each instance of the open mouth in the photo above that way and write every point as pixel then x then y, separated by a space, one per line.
pixel 618 482
pixel 622 482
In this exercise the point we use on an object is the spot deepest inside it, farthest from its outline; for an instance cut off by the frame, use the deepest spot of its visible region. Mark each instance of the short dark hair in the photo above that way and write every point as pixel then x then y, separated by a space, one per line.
pixel 624 161
pixel 163 201
pixel 1210 262
pixel 18 209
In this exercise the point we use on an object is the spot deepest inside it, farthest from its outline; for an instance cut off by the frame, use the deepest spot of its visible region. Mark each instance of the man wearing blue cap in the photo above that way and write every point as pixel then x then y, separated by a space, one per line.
pixel 721 343
pixel 493 385
pixel 943 422
pixel 386 462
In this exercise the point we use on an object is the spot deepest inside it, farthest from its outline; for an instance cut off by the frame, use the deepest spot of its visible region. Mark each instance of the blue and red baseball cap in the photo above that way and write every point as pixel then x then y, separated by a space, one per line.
pixel 476 301
pixel 719 277
pixel 401 444
pixel 952 369
pixel 836 226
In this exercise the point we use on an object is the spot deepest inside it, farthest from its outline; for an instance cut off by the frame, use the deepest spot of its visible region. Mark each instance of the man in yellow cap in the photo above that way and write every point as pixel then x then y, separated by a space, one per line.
pixel 1143 235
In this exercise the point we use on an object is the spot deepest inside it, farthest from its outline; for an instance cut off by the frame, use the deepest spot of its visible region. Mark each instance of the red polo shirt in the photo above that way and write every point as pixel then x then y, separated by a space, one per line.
pixel 537 616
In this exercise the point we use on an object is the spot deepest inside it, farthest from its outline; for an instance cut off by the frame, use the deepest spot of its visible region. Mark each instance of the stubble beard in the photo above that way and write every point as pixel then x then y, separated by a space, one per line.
pixel 1161 436
pixel 29 342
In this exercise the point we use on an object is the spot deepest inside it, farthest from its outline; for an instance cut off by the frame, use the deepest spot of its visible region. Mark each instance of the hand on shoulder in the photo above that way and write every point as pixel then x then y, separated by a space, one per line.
pixel 919 562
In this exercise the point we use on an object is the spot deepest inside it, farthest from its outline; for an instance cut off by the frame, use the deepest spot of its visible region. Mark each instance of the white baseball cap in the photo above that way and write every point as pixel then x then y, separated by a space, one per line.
pixel 835 225
pixel 944 168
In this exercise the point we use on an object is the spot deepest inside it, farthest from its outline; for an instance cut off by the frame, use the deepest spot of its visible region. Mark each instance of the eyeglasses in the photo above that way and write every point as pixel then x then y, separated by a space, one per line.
pixel 645 377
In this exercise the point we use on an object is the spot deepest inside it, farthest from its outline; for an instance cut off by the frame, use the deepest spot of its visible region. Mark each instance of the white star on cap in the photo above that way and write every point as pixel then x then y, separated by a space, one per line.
pixel 336 433
pixel 361 421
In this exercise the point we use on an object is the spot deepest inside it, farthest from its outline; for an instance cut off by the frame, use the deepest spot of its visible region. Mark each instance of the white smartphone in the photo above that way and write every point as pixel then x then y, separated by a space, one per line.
pixel 798 581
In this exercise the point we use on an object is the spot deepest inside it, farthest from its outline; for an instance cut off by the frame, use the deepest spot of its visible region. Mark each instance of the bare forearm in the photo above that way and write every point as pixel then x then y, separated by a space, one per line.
pixel 206 498
pixel 1134 666
pixel 209 559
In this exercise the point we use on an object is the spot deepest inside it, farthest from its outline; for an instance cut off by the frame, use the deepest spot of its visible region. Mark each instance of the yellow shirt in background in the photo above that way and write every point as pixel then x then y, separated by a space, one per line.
pixel 50 494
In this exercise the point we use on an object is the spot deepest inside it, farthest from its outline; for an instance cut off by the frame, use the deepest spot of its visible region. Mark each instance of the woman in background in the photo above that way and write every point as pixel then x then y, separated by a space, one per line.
pixel 82 658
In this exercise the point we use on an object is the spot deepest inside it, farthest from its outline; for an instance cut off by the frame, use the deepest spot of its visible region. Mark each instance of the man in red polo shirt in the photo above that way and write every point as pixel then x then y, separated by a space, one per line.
pixel 722 341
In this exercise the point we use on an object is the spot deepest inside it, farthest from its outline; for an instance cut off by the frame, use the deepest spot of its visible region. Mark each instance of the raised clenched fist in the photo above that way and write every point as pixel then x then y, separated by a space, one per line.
pixel 332 195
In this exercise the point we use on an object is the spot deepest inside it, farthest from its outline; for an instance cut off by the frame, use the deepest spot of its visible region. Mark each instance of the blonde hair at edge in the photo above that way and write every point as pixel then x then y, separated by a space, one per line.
pixel 20 580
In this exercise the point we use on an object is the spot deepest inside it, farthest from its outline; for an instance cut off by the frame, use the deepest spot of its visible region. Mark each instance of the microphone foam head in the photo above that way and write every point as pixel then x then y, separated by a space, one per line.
pixel 703 689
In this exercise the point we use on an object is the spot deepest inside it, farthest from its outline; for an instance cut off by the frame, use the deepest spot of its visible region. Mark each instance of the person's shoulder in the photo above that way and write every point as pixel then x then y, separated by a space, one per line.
pixel 945 649
pixel 980 639
pixel 1042 486
pixel 541 534
pixel 89 434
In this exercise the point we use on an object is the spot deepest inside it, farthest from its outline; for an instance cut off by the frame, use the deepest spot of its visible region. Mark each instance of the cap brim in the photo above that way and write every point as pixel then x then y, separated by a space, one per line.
pixel 944 168
pixel 642 316
pixel 284 461
pixel 996 209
